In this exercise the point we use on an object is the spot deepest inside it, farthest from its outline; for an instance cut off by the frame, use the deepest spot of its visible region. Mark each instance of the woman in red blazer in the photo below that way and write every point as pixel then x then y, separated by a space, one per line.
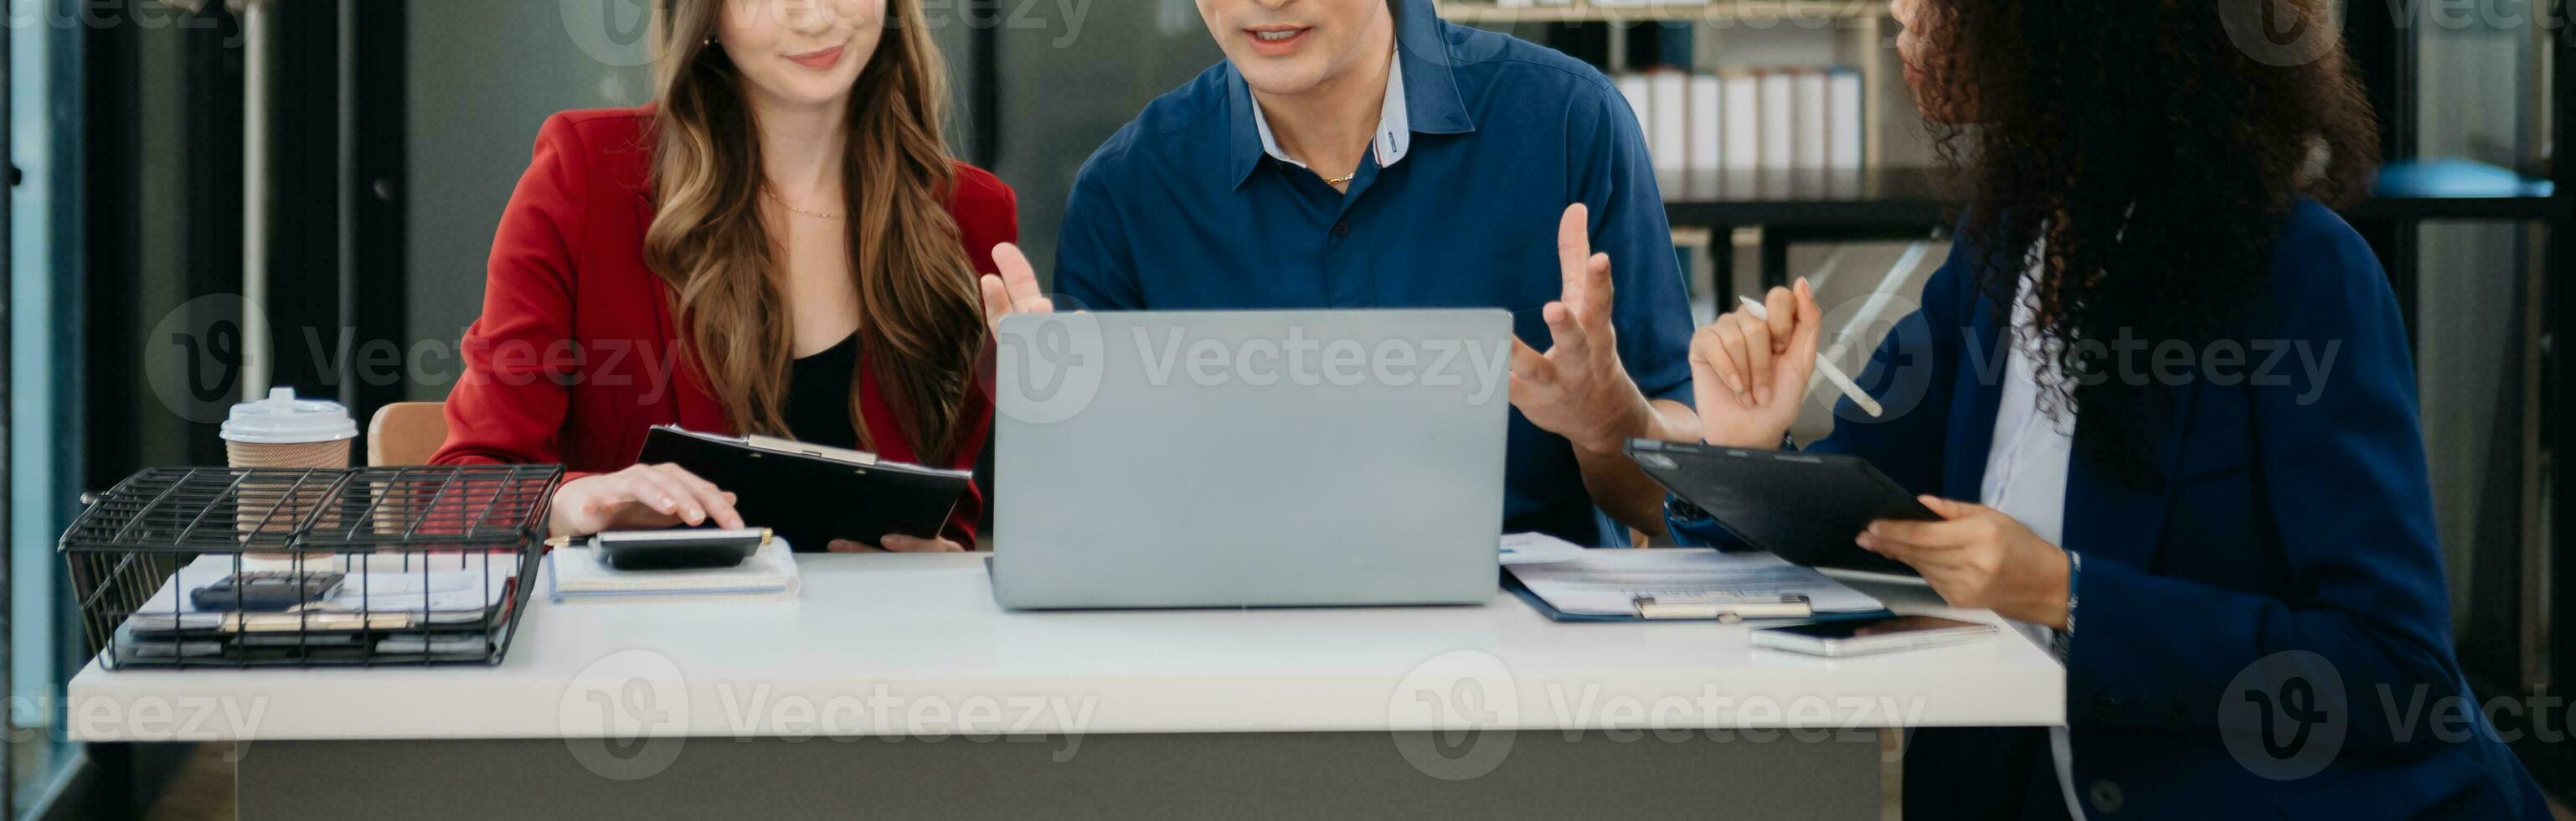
pixel 779 245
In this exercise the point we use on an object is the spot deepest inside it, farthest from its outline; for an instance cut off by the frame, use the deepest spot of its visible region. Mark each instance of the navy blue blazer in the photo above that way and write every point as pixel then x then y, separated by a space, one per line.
pixel 2291 550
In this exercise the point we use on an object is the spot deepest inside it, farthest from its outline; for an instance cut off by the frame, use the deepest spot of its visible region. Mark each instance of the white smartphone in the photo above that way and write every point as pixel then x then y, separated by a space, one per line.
pixel 1859 637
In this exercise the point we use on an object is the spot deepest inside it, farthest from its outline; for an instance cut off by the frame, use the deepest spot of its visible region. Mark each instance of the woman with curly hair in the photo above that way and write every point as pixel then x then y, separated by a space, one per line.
pixel 2161 397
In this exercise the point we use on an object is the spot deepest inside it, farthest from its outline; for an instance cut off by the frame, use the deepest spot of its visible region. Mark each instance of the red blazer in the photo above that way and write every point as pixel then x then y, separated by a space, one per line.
pixel 577 353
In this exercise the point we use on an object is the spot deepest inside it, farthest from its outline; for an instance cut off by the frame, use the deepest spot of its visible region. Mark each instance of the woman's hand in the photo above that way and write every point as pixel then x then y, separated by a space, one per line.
pixel 1978 557
pixel 638 497
pixel 898 543
pixel 1751 374
pixel 1014 290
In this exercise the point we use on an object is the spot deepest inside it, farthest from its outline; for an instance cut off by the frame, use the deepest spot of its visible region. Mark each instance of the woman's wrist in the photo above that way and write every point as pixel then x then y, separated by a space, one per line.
pixel 563 514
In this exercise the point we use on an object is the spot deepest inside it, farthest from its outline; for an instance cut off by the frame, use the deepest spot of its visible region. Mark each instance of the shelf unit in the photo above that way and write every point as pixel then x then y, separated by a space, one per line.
pixel 1589 11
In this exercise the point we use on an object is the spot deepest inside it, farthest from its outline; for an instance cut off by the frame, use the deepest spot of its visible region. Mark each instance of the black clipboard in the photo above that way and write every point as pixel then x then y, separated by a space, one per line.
pixel 812 494
pixel 1803 507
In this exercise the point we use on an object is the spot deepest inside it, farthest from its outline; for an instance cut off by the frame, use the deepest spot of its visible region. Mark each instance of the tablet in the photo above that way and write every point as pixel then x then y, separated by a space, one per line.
pixel 1803 507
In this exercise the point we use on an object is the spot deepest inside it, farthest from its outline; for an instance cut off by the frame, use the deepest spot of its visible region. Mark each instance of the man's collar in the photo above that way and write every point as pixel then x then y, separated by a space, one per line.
pixel 1422 97
pixel 1394 126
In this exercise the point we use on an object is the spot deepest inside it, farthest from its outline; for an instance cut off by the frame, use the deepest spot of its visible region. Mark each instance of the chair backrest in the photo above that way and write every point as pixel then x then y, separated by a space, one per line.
pixel 406 433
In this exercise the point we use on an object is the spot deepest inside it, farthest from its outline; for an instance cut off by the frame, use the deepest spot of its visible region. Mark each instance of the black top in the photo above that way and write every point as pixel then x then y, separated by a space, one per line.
pixel 818 395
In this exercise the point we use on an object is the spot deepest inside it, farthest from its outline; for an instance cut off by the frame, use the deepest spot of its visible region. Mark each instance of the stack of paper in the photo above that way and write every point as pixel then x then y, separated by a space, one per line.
pixel 447 605
pixel 769 575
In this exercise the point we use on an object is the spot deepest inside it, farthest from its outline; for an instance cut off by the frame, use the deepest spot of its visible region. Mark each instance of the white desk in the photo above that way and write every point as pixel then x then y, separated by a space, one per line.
pixel 912 648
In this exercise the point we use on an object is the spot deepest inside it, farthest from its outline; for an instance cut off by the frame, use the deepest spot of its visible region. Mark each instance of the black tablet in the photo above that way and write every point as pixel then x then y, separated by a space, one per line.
pixel 1802 507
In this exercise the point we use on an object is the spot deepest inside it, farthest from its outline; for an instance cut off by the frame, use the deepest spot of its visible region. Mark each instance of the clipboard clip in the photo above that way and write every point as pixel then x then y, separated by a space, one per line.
pixel 1725 607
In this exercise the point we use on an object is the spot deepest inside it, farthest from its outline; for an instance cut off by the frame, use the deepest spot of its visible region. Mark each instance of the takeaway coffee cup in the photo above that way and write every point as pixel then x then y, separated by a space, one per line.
pixel 282 431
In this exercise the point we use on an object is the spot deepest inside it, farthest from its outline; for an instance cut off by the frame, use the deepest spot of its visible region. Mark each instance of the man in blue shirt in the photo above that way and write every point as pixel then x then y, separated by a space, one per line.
pixel 1367 154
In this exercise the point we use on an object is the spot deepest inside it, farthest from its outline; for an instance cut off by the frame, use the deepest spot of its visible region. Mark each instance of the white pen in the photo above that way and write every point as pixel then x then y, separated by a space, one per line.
pixel 1823 366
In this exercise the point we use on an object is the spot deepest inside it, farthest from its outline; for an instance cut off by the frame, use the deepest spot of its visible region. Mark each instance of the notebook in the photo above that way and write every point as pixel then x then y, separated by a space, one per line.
pixel 768 575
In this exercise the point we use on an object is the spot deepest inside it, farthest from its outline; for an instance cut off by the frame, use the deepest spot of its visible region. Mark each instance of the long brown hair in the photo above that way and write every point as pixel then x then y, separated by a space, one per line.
pixel 920 326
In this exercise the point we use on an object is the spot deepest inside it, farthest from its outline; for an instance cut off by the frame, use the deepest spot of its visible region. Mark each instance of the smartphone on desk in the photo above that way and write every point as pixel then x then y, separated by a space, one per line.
pixel 1860 637
pixel 680 549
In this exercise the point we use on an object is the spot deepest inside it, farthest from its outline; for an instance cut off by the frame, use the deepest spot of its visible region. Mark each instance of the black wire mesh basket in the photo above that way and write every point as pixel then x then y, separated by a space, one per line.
pixel 184 568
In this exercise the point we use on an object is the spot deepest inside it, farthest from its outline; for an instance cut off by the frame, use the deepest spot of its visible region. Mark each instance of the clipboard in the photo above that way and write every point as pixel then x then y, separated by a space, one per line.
pixel 1777 611
pixel 811 494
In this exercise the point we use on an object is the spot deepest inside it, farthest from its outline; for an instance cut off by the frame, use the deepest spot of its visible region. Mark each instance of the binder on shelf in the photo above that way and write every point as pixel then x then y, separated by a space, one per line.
pixel 1669 146
pixel 1809 133
pixel 1641 99
pixel 1741 94
pixel 1779 123
pixel 1707 124
pixel 1845 147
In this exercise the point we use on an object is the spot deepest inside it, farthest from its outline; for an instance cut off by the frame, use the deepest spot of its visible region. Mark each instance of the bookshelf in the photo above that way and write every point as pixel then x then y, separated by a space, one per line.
pixel 1748 12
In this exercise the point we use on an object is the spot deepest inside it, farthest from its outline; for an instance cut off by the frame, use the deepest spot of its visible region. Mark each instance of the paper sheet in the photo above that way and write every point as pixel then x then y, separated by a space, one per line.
pixel 1538 548
pixel 1608 582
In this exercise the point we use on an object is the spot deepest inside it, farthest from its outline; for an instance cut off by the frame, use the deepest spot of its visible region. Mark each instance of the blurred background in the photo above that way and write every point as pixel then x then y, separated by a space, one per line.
pixel 208 199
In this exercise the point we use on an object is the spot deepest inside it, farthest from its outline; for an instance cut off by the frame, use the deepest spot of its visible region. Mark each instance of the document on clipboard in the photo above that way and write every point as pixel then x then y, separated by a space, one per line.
pixel 1684 583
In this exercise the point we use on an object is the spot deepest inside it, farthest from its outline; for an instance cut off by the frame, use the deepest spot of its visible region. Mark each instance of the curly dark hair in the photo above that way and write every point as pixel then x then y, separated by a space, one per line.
pixel 2154 156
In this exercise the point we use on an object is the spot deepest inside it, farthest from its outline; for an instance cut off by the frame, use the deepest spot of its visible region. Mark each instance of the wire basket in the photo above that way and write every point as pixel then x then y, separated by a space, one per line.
pixel 261 567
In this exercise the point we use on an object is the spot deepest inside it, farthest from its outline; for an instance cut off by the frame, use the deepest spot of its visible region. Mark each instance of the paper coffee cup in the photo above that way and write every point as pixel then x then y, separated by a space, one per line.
pixel 282 431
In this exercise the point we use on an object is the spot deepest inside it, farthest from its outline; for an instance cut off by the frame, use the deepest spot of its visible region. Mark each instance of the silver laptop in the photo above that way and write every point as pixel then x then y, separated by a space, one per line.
pixel 1249 458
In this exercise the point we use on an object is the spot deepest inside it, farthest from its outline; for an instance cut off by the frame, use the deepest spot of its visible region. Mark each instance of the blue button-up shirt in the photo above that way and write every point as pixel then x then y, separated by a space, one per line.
pixel 1183 209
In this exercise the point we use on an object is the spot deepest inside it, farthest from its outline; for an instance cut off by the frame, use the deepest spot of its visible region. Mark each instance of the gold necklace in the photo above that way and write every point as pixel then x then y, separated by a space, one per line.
pixel 782 201
pixel 1341 179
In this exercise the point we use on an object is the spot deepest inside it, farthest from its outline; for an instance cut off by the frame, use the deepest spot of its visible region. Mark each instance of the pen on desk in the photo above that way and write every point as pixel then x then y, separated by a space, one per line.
pixel 1823 366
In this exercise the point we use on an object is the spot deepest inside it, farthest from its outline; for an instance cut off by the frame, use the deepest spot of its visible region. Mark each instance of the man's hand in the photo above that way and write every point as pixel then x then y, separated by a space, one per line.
pixel 1578 389
pixel 1978 557
pixel 1013 291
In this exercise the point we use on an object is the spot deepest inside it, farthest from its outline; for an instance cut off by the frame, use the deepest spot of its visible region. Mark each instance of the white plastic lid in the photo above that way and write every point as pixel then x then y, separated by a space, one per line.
pixel 282 419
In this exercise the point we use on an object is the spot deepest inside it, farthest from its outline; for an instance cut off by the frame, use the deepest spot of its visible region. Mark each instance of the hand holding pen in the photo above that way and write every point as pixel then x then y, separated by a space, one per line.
pixel 1750 368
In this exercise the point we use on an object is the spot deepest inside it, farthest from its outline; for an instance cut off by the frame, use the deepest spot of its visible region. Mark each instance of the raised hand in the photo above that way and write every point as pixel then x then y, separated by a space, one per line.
pixel 1014 290
pixel 1751 374
pixel 1578 389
